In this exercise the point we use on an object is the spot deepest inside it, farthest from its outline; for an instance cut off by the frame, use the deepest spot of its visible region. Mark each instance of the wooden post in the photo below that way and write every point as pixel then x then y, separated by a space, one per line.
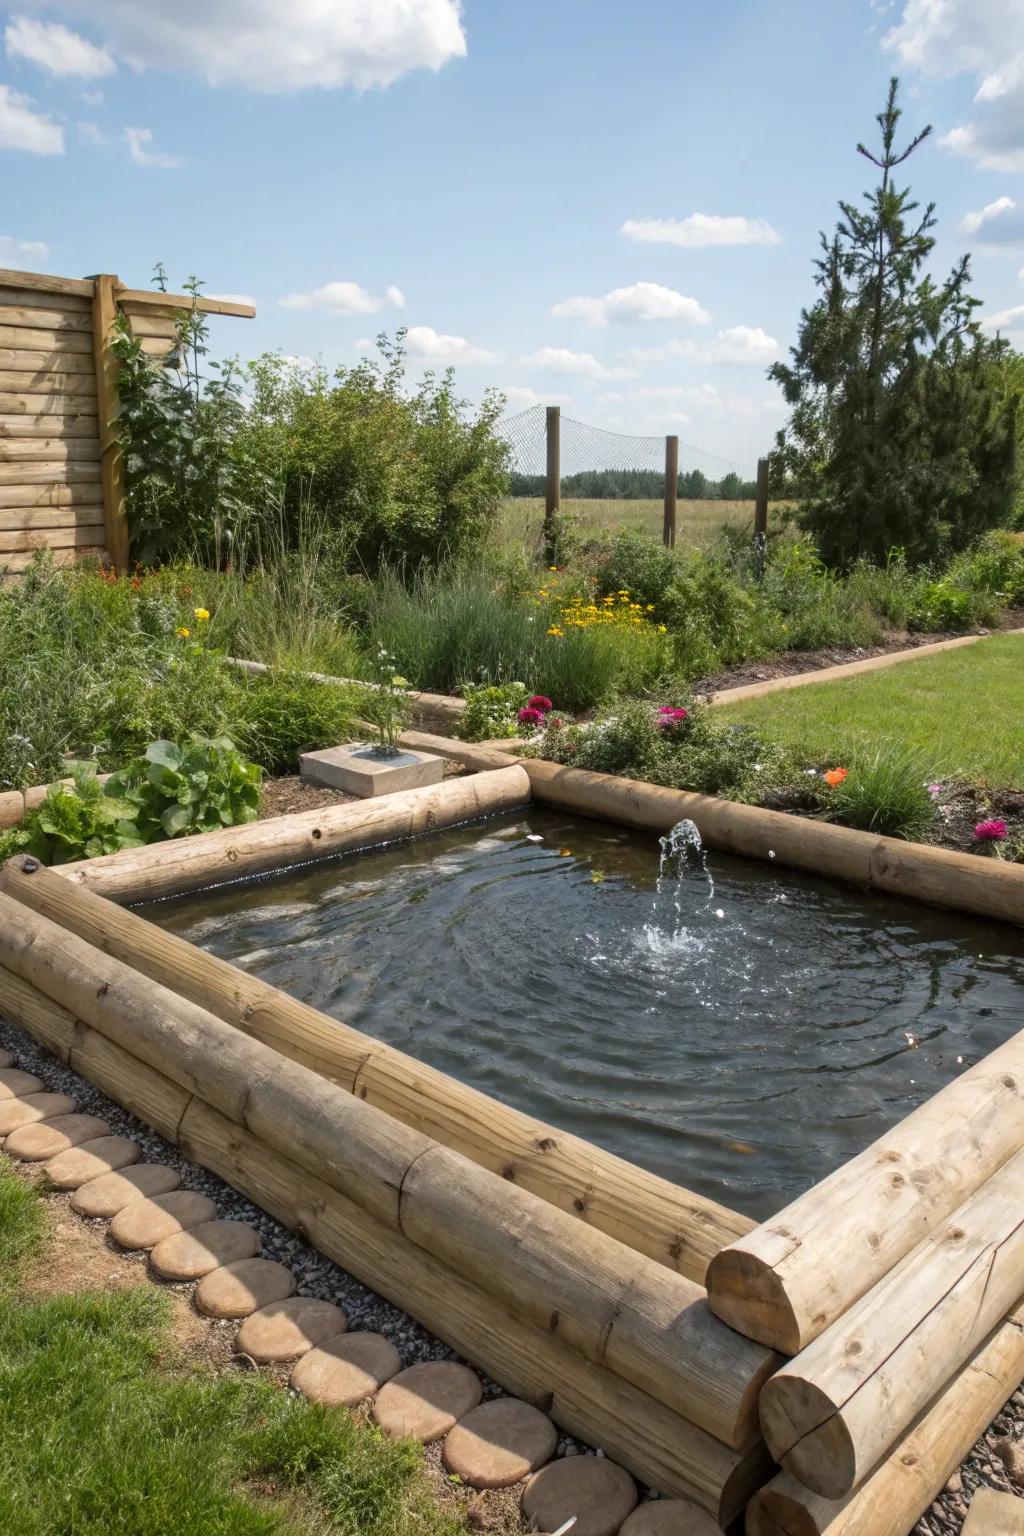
pixel 761 516
pixel 668 537
pixel 553 488
pixel 115 523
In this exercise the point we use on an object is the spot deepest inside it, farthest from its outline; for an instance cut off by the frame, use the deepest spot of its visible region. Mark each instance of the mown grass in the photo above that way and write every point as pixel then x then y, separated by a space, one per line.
pixel 959 711
pixel 101 1438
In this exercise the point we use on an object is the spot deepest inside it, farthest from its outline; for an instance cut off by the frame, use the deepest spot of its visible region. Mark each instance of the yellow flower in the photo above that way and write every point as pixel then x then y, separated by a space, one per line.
pixel 543 592
pixel 554 630
pixel 649 608
pixel 553 568
pixel 184 632
pixel 662 629
pixel 202 614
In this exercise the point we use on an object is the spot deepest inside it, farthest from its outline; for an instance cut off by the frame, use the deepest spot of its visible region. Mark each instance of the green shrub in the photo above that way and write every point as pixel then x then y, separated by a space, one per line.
pixel 280 715
pixel 716 619
pixel 491 711
pixel 885 792
pixel 637 564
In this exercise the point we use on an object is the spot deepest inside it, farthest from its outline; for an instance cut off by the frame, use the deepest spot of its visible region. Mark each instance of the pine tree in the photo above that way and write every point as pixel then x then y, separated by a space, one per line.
pixel 903 429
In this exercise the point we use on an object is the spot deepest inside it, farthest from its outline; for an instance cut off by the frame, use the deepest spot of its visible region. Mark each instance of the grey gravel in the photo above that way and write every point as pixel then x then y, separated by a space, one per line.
pixel 995 1461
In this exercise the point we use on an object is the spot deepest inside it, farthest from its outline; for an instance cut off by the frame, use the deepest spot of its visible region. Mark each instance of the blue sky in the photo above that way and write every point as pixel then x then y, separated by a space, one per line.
pixel 515 182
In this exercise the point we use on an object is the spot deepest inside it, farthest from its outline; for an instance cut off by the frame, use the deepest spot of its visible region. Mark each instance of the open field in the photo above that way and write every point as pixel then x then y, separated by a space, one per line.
pixel 951 709
pixel 698 523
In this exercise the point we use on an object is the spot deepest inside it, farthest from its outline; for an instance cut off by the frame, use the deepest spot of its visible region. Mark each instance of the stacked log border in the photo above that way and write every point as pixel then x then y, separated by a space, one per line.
pixel 616 1346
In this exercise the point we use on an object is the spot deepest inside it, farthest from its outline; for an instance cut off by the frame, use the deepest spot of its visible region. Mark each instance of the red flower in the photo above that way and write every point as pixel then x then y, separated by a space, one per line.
pixel 668 716
pixel 993 831
pixel 530 716
pixel 539 702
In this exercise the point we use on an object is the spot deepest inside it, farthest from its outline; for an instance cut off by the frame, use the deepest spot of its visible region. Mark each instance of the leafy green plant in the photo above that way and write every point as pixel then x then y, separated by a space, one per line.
pixel 387 707
pixel 282 714
pixel 637 564
pixel 199 787
pixel 80 821
pixel 884 792
pixel 492 711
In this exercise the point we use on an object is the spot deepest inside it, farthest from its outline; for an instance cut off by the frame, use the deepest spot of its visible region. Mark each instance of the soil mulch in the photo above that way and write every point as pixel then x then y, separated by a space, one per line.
pixel 795 663
pixel 282 797
pixel 960 805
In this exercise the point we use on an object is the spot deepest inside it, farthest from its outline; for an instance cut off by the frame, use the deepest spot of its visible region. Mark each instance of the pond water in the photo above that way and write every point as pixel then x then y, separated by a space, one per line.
pixel 740 1028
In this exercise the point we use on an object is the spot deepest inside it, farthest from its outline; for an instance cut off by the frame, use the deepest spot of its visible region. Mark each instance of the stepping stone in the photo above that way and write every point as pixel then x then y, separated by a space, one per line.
pixel 35 1106
pixel 144 1223
pixel 500 1443
pixel 43 1139
pixel 192 1254
pixel 15 1085
pixel 595 1490
pixel 111 1192
pixel 91 1160
pixel 243 1287
pixel 670 1517
pixel 6 1059
pixel 347 1369
pixel 425 1401
pixel 289 1328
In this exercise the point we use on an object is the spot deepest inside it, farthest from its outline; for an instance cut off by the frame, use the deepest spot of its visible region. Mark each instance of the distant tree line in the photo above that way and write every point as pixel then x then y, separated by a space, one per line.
pixel 637 485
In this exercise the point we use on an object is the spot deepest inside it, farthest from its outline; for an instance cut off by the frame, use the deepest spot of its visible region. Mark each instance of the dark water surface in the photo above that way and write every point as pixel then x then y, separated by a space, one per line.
pixel 742 1038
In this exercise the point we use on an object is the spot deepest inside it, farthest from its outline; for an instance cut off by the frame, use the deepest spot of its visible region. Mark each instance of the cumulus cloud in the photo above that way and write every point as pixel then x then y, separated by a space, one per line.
pixel 984 39
pixel 56 50
pixel 641 301
pixel 583 364
pixel 281 45
pixel 435 347
pixel 22 128
pixel 23 255
pixel 138 141
pixel 702 229
pixel 972 222
pixel 520 397
pixel 736 344
pixel 344 299
pixel 1005 319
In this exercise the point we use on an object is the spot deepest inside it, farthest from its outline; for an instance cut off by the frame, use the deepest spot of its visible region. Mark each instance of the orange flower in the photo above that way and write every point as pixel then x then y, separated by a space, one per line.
pixel 835 777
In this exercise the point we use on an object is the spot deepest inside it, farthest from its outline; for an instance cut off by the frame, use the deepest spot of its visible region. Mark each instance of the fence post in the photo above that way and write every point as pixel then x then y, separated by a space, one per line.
pixel 761 517
pixel 553 487
pixel 668 536
pixel 115 523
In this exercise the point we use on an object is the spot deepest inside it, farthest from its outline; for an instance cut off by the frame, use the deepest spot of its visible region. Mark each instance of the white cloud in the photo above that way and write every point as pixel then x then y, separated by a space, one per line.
pixel 583 364
pixel 520 397
pixel 982 38
pixel 56 50
pixel 23 255
pixel 92 98
pixel 21 128
pixel 649 392
pixel 92 133
pixel 702 229
pixel 1005 319
pixel 435 347
pixel 972 222
pixel 137 140
pixel 641 301
pixel 680 418
pixel 736 344
pixel 343 299
pixel 282 45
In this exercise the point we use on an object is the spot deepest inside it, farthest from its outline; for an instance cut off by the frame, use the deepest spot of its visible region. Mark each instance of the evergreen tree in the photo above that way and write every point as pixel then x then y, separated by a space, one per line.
pixel 903 430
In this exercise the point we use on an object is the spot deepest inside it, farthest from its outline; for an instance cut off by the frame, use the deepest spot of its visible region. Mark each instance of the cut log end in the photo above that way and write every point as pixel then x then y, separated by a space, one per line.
pixel 746 1293
pixel 807 1435
pixel 773 1512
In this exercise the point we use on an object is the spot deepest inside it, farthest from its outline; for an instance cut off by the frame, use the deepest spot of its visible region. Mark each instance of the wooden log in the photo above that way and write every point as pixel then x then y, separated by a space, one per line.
pixel 840 1406
pixel 67 424
pixel 64 536
pixel 138 299
pixel 49 1023
pixel 52 495
pixel 15 802
pixel 50 450
pixel 54 384
pixel 903 1486
pixel 36 360
pixel 20 317
pixel 147 323
pixel 12 564
pixel 189 863
pixel 53 472
pixel 57 341
pixel 938 876
pixel 675 1226
pixel 106 370
pixel 42 282
pixel 39 302
pixel 13 519
pixel 616 1307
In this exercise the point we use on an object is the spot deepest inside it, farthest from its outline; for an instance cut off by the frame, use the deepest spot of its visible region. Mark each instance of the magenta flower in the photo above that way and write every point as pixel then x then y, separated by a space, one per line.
pixel 993 831
pixel 539 702
pixel 669 716
pixel 529 716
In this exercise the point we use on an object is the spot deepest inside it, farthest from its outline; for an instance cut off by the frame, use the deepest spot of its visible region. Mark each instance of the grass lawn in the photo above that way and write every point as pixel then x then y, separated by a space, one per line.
pixel 698 523
pixel 962 711
pixel 105 1433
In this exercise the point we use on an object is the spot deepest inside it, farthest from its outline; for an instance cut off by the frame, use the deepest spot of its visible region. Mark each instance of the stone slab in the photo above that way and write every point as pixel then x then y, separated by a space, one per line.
pixel 192 1254
pixel 90 1160
pixel 289 1328
pixel 144 1223
pixel 346 1370
pixel 43 1139
pixel 670 1517
pixel 426 1400
pixel 499 1443
pixel 357 770
pixel 34 1106
pixel 111 1192
pixel 994 1514
pixel 592 1488
pixel 15 1084
pixel 237 1289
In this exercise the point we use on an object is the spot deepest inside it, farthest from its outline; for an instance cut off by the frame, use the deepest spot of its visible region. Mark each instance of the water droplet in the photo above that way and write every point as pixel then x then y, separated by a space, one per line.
pixel 719 912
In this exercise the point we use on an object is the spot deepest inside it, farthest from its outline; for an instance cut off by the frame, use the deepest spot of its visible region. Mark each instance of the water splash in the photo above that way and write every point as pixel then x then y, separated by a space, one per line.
pixel 682 854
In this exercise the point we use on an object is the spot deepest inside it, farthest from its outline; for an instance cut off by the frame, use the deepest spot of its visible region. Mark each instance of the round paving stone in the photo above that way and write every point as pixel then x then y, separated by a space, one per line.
pixel 191 1255
pixel 289 1328
pixel 144 1223
pixel 38 1142
pixel 111 1192
pixel 35 1106
pixel 670 1517
pixel 425 1401
pixel 15 1085
pixel 347 1369
pixel 243 1287
pixel 500 1443
pixel 595 1490
pixel 91 1160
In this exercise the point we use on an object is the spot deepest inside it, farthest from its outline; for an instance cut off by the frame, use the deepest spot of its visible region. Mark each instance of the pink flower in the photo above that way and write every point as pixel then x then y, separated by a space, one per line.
pixel 993 831
pixel 539 702
pixel 669 716
pixel 529 716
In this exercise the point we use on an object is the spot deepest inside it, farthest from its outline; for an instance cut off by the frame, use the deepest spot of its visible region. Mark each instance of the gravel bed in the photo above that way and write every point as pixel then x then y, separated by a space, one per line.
pixel 996 1461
